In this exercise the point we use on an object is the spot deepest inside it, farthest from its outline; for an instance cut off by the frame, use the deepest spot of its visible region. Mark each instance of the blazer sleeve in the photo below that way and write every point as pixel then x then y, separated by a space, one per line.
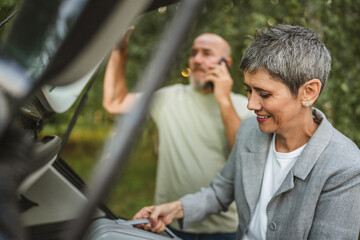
pixel 337 213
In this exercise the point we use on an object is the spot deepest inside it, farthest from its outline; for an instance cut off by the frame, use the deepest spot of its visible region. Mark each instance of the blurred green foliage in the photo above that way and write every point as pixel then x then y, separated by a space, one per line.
pixel 336 21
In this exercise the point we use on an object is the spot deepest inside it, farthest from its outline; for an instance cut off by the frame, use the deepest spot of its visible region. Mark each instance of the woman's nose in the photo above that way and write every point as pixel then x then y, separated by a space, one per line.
pixel 253 102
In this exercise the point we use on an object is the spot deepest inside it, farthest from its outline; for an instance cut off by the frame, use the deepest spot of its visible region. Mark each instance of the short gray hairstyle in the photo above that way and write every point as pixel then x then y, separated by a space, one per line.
pixel 290 54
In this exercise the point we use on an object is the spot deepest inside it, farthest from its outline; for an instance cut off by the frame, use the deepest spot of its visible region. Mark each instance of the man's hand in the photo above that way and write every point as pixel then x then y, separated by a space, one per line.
pixel 222 81
pixel 160 215
pixel 121 48
pixel 122 45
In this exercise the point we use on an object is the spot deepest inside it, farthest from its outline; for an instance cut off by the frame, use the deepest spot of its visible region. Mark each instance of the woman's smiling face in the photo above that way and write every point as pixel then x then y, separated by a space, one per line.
pixel 277 110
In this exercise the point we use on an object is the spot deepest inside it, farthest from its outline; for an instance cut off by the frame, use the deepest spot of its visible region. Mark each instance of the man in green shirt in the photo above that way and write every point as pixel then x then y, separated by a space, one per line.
pixel 197 126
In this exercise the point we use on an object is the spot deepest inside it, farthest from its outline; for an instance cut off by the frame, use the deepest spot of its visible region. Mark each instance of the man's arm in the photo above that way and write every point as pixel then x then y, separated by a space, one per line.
pixel 116 98
pixel 222 88
pixel 230 119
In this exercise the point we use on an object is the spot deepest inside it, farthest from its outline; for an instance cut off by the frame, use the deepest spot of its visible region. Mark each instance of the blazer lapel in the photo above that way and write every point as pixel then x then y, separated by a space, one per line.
pixel 287 184
pixel 253 165
pixel 315 147
pixel 306 161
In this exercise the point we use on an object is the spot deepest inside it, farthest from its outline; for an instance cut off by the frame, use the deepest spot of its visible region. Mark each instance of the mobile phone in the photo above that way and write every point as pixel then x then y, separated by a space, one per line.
pixel 224 60
pixel 211 84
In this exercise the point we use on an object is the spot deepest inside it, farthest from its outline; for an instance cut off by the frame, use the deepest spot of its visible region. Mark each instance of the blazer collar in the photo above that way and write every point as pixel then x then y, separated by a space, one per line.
pixel 253 164
pixel 311 153
pixel 315 147
pixel 258 144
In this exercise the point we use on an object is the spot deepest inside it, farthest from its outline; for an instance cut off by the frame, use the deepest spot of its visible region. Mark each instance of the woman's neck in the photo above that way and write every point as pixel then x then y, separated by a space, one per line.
pixel 290 141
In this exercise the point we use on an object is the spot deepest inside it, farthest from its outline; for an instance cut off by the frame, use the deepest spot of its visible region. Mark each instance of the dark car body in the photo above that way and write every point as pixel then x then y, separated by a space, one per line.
pixel 51 54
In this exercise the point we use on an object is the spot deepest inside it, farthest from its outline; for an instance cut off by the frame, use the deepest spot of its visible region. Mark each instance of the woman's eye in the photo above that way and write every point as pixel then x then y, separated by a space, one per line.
pixel 264 95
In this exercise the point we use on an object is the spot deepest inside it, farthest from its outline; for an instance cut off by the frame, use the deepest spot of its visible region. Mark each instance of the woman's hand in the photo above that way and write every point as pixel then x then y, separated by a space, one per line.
pixel 160 215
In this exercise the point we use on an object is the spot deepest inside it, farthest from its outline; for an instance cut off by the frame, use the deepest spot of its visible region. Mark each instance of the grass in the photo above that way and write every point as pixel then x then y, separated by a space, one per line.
pixel 134 187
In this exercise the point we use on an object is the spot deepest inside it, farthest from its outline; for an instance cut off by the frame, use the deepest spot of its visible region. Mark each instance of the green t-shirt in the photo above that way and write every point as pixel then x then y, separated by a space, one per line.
pixel 192 148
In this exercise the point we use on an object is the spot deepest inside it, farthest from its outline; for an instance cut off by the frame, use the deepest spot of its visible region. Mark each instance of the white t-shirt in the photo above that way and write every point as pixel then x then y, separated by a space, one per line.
pixel 277 167
pixel 192 148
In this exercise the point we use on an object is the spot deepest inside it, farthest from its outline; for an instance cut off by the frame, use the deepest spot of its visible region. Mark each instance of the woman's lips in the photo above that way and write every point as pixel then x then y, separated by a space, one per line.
pixel 262 119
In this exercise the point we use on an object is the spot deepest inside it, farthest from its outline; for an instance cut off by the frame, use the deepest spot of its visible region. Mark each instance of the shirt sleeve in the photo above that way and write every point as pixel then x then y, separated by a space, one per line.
pixel 158 102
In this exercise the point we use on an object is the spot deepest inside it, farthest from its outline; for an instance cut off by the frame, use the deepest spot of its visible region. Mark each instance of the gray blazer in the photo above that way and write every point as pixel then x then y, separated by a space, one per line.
pixel 319 198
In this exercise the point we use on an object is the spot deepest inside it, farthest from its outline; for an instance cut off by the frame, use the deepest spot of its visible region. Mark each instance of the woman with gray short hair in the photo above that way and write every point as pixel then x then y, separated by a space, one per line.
pixel 290 172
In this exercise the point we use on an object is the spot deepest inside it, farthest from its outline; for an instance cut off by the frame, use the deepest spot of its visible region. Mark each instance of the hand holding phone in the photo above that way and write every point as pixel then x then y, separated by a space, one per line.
pixel 224 60
pixel 211 84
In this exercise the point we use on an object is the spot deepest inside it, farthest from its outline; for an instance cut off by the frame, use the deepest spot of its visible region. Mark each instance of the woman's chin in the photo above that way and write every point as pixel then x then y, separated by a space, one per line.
pixel 264 129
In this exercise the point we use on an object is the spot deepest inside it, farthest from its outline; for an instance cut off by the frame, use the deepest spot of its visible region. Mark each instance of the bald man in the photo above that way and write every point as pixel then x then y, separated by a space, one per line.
pixel 197 125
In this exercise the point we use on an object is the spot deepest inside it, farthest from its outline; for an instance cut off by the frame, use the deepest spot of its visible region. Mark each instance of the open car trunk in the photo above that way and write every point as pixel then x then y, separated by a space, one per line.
pixel 50 56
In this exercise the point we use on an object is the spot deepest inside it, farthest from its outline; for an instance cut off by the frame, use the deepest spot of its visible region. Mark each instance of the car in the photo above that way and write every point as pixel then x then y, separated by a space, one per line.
pixel 51 55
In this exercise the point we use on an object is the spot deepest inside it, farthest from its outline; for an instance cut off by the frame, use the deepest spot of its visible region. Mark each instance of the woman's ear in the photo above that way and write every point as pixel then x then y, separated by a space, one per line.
pixel 311 91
